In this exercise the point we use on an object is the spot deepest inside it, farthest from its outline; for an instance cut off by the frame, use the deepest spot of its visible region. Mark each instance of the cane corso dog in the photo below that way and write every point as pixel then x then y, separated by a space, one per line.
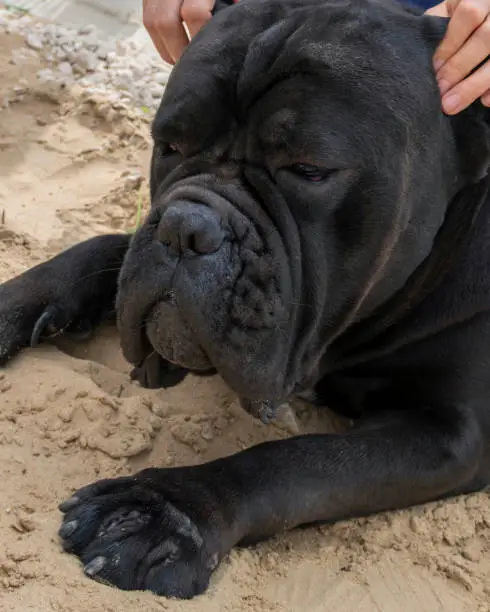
pixel 318 226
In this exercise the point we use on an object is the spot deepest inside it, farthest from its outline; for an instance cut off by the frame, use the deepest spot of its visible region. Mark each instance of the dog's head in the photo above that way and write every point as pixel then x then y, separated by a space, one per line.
pixel 302 168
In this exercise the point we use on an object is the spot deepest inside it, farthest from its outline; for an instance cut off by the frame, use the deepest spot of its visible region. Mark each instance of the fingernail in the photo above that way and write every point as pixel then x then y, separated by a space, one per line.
pixel 451 103
pixel 444 86
pixel 437 63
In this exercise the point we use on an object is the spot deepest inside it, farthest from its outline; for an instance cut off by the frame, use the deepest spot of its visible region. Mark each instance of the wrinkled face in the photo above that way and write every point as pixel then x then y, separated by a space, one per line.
pixel 294 150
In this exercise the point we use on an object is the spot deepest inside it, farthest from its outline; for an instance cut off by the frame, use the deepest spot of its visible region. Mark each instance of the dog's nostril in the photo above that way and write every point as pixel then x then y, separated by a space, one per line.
pixel 187 227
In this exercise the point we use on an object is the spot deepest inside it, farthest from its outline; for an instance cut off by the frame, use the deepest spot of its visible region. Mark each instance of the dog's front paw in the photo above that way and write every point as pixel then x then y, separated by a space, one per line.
pixel 127 533
pixel 71 292
pixel 24 315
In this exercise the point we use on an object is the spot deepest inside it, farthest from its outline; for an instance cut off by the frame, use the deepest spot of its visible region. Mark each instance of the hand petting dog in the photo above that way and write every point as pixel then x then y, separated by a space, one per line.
pixel 461 62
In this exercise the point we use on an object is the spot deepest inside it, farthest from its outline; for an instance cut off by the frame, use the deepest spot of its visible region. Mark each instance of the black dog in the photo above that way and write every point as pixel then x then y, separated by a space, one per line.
pixel 317 223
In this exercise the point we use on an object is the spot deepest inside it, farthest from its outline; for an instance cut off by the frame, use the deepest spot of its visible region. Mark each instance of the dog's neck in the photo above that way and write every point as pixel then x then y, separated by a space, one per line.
pixel 364 340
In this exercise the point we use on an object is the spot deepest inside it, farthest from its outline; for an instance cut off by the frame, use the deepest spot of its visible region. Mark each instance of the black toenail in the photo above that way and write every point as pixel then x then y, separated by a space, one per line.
pixel 95 566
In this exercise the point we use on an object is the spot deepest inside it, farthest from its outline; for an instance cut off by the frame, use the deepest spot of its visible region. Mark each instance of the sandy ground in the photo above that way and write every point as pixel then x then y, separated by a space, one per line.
pixel 69 415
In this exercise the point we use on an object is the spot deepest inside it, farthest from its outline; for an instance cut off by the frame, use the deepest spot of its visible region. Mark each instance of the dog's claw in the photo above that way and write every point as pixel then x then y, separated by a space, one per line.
pixel 67 529
pixel 69 504
pixel 45 322
pixel 95 566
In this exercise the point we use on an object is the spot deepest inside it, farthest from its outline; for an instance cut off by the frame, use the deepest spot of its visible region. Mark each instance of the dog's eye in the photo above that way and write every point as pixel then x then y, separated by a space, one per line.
pixel 315 174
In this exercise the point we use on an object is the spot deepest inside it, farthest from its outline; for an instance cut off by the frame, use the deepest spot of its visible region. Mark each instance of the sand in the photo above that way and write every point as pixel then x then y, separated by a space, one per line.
pixel 69 413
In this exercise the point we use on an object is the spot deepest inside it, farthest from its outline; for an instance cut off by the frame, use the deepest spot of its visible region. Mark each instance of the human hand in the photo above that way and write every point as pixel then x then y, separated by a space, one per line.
pixel 164 21
pixel 465 46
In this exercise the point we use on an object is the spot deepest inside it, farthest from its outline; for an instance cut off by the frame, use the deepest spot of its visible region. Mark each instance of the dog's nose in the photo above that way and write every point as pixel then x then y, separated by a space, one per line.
pixel 190 228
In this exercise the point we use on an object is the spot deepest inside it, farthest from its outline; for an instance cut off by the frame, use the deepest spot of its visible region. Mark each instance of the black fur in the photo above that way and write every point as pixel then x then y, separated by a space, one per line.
pixel 319 225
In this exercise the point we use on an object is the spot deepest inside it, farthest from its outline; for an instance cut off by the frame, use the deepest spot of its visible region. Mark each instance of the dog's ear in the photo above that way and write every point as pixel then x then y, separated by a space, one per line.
pixel 471 126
